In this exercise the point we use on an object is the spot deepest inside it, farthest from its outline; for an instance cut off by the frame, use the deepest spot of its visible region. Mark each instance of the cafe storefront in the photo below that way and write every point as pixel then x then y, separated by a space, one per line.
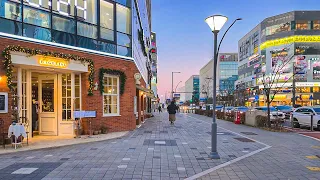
pixel 48 91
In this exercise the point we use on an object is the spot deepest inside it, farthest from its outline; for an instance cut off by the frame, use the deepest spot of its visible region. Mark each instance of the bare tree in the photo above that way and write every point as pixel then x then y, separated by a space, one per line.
pixel 207 88
pixel 272 84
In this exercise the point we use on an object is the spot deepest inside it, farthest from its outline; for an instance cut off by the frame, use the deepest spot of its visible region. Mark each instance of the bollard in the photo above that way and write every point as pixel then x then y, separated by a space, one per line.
pixel 311 128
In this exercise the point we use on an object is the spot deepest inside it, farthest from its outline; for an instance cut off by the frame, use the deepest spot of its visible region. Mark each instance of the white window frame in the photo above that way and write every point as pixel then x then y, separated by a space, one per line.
pixel 106 94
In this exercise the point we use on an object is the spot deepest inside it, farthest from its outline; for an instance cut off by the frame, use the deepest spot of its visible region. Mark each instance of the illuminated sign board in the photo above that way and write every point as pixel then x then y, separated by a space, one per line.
pixel 289 40
pixel 55 63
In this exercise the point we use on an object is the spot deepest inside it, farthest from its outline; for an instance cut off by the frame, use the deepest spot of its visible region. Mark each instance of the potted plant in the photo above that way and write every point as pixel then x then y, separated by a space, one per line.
pixel 104 129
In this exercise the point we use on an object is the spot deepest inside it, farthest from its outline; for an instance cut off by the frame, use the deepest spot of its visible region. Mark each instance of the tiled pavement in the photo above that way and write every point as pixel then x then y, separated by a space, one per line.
pixel 286 159
pixel 158 150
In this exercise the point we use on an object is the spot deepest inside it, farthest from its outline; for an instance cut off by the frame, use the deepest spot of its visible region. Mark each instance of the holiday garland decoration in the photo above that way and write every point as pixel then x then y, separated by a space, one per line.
pixel 32 52
pixel 121 75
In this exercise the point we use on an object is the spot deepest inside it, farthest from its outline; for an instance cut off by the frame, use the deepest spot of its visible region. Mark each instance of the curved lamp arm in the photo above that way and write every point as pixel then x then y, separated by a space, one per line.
pixel 238 19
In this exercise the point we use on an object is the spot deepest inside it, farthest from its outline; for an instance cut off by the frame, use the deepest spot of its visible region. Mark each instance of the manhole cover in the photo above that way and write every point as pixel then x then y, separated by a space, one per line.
pixel 244 139
pixel 249 133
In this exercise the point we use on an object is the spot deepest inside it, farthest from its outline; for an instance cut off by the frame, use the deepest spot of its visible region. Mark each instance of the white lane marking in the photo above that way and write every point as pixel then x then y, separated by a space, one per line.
pixel 309 137
pixel 225 164
pixel 229 162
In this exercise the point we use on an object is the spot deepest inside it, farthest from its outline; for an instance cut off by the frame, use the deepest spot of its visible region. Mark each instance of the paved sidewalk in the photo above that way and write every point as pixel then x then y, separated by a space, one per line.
pixel 291 156
pixel 41 142
pixel 158 150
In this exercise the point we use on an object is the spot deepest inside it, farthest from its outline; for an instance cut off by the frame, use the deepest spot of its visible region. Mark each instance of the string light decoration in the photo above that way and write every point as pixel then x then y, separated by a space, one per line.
pixel 121 74
pixel 32 52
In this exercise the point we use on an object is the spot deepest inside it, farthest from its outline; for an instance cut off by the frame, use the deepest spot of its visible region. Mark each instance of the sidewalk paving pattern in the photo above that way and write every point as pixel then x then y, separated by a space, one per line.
pixel 158 150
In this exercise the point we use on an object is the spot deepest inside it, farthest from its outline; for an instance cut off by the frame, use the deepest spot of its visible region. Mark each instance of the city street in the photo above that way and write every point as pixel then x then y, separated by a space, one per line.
pixel 158 150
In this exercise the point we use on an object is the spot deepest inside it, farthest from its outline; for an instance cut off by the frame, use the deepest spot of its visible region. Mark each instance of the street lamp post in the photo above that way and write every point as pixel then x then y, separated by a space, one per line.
pixel 172 85
pixel 215 23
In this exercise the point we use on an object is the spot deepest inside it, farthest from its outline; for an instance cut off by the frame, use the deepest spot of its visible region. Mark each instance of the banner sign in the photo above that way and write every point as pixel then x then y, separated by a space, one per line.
pixel 84 114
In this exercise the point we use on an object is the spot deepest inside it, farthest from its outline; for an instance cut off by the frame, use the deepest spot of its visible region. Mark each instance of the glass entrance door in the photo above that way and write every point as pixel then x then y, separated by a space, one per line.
pixel 48 104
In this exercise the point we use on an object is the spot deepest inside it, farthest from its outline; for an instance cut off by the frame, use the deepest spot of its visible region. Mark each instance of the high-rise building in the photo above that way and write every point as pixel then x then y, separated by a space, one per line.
pixel 67 57
pixel 276 49
pixel 192 88
pixel 227 74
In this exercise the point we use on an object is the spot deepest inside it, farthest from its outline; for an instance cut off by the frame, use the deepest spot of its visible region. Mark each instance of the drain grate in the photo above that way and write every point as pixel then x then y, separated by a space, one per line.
pixel 200 159
pixel 203 153
pixel 244 139
pixel 164 132
pixel 249 133
pixel 64 159
pixel 246 148
pixel 156 157
pixel 148 132
pixel 193 148
pixel 232 156
pixel 93 148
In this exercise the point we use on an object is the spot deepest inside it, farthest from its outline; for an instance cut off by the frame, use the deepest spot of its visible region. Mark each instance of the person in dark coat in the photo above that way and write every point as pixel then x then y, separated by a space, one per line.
pixel 172 110
pixel 160 109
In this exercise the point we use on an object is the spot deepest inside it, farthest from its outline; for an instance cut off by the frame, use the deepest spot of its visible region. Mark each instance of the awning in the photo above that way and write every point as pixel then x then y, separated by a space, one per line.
pixel 149 93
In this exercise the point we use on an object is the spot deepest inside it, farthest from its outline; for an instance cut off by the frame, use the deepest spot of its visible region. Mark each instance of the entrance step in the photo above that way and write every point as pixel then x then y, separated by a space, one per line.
pixel 35 133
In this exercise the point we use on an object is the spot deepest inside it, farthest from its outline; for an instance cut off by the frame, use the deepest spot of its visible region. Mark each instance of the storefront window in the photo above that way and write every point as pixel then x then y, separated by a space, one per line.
pixel 303 25
pixel 316 25
pixel 111 96
pixel 316 89
pixel 66 97
pixel 278 28
pixel 123 19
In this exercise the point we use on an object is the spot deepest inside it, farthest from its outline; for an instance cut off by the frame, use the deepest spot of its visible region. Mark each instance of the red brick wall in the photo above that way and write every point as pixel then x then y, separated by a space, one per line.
pixel 126 120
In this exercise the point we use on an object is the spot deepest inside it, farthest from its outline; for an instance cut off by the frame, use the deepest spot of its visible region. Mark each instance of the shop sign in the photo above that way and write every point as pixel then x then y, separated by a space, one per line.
pixel 84 114
pixel 55 63
pixel 137 77
pixel 289 40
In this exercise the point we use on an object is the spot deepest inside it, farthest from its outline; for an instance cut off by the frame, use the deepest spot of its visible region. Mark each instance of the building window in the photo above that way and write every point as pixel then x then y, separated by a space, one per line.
pixel 303 25
pixel 111 96
pixel 123 19
pixel 107 20
pixel 10 10
pixel 316 25
pixel 36 17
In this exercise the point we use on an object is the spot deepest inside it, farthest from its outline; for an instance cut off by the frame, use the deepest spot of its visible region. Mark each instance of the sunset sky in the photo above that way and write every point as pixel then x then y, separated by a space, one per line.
pixel 185 42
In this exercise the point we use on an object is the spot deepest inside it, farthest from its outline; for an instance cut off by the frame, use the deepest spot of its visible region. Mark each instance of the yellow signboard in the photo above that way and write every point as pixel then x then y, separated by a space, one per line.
pixel 290 39
pixel 55 63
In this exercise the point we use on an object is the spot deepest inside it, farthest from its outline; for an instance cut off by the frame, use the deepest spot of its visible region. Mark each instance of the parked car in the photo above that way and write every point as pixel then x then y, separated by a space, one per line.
pixel 274 113
pixel 287 110
pixel 218 107
pixel 302 116
pixel 228 109
pixel 241 109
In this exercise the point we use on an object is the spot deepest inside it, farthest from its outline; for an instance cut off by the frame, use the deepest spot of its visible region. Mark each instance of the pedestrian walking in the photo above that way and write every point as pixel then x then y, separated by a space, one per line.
pixel 160 109
pixel 172 109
